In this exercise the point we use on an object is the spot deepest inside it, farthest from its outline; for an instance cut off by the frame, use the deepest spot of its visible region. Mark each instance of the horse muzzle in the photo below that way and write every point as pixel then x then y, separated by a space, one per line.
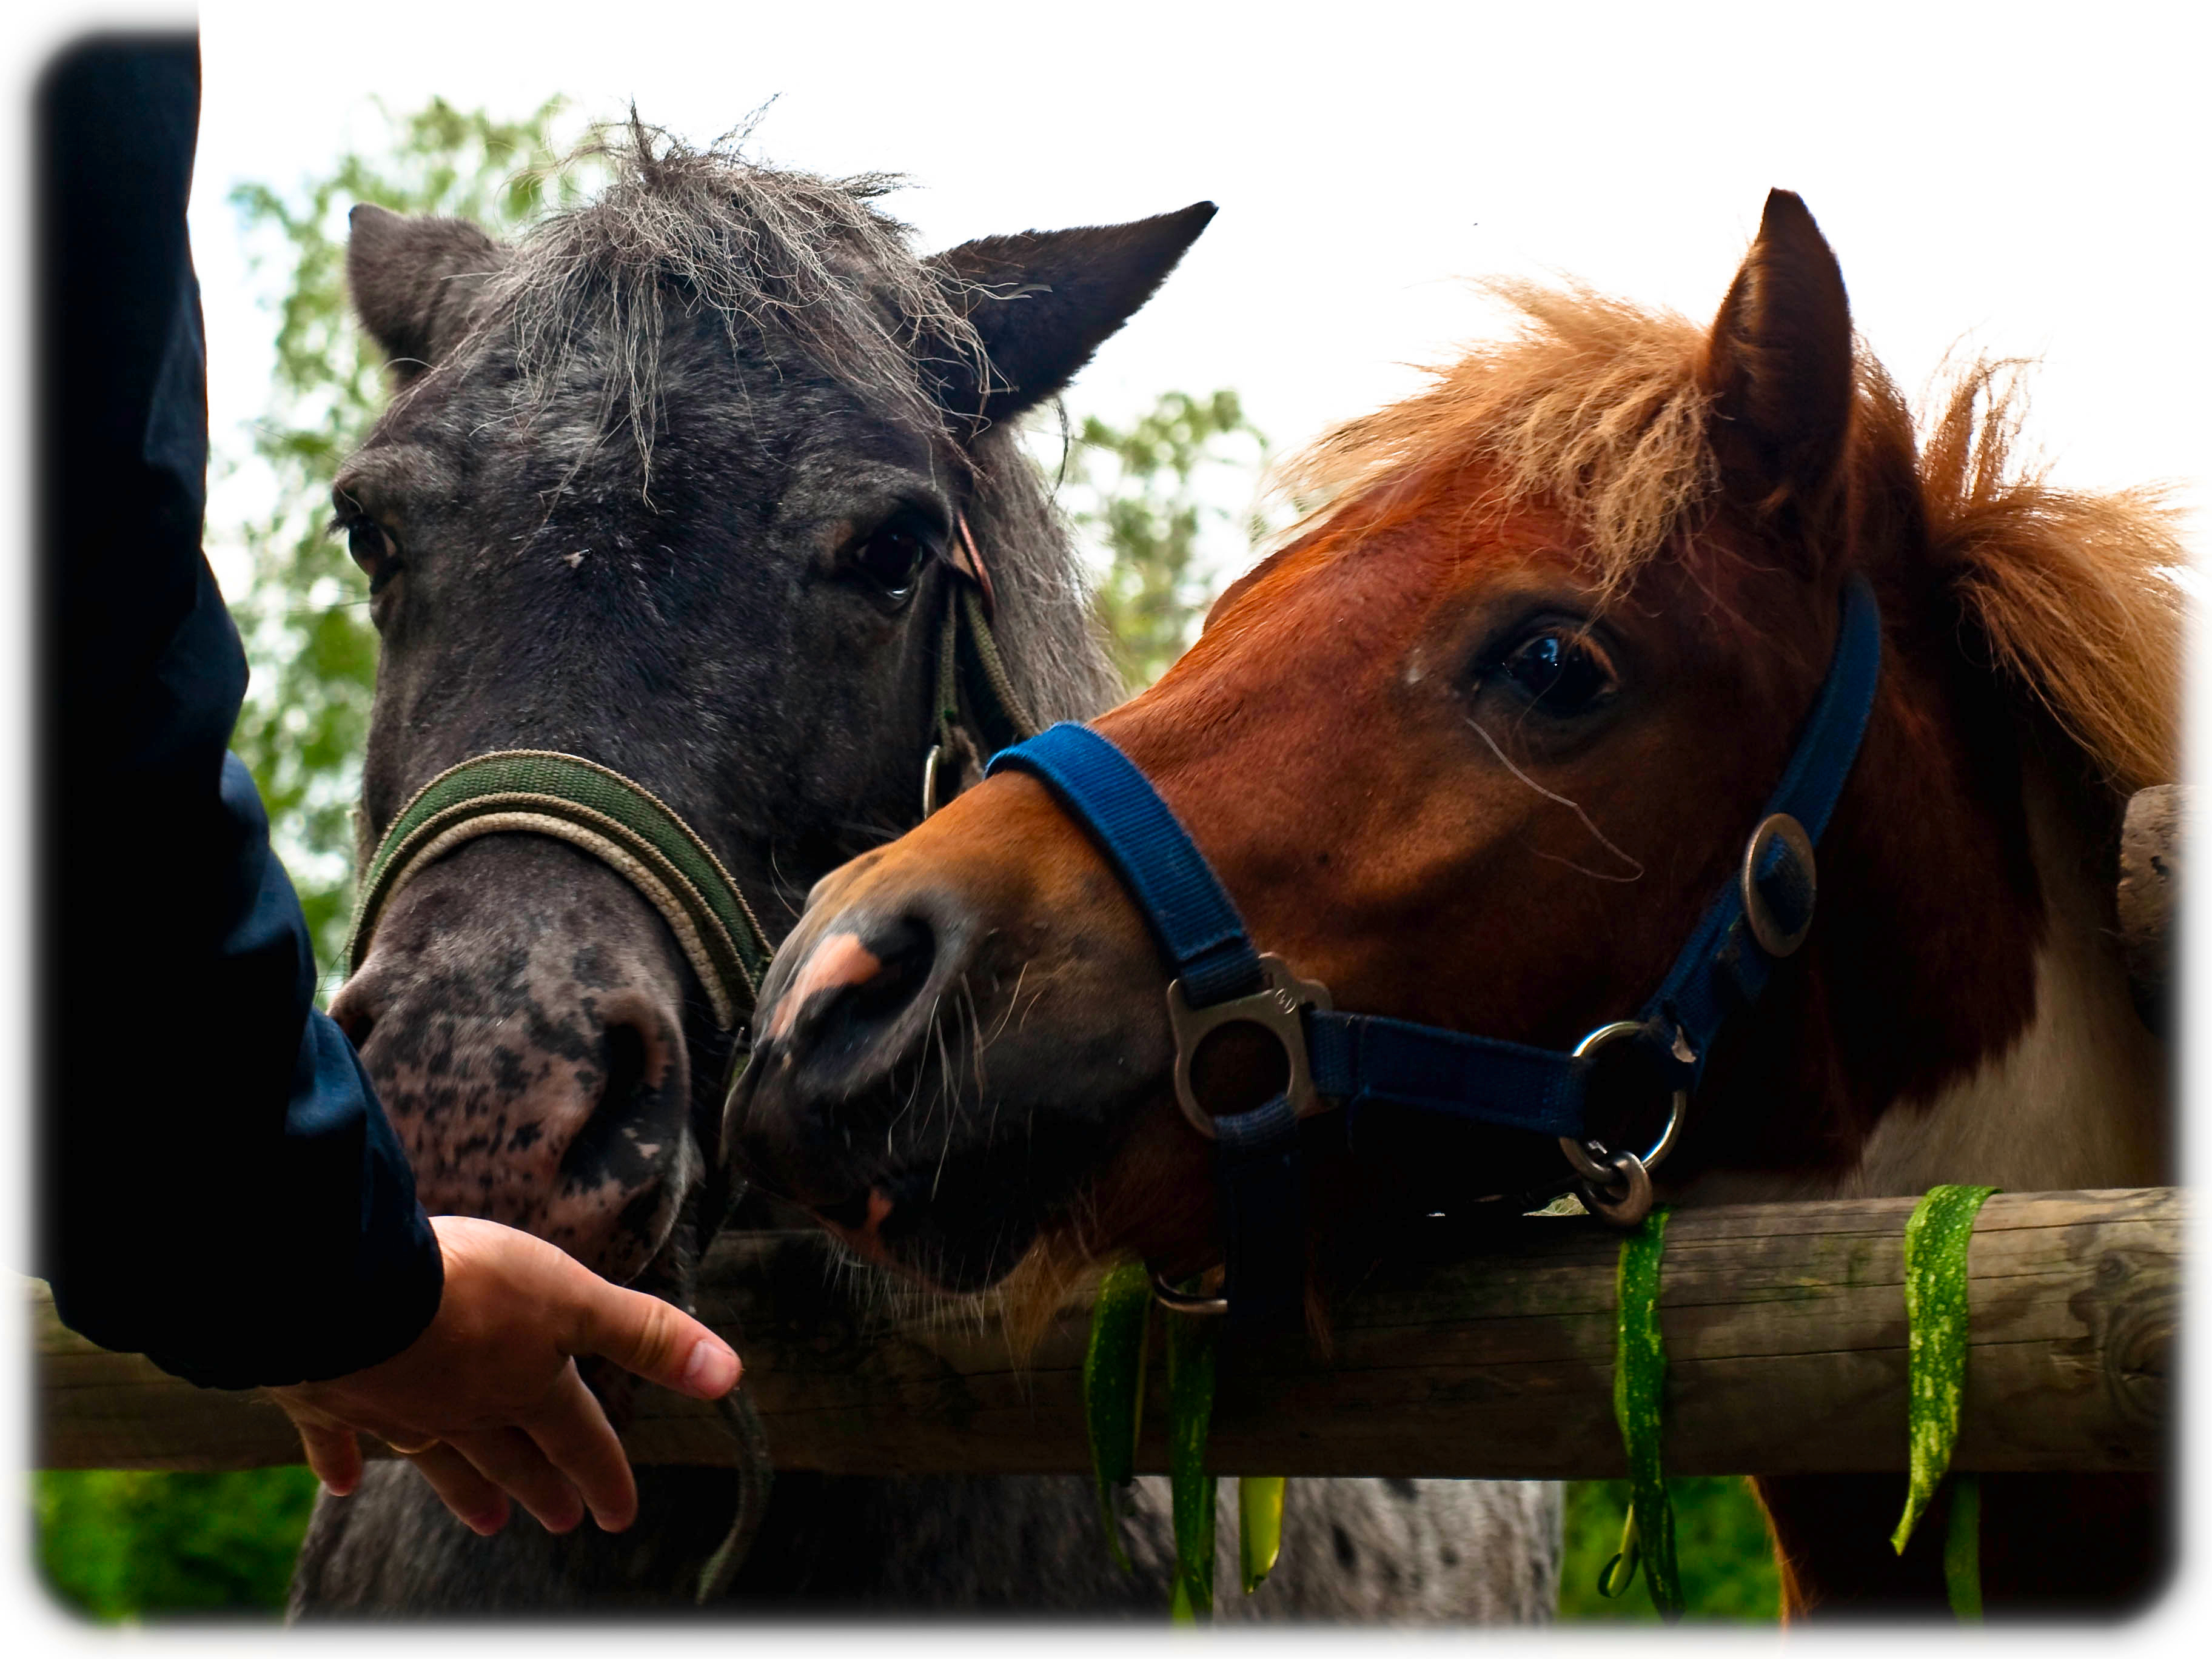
pixel 522 1018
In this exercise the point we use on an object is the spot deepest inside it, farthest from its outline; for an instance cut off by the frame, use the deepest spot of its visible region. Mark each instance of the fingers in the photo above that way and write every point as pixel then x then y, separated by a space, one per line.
pixel 333 1454
pixel 510 1460
pixel 640 1332
pixel 644 1335
pixel 574 1434
pixel 476 1501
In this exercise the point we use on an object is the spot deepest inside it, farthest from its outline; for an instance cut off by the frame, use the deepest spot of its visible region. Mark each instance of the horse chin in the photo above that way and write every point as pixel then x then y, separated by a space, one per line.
pixel 959 1242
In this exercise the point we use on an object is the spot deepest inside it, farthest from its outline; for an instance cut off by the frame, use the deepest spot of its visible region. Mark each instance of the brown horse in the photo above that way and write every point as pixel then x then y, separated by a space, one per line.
pixel 1477 746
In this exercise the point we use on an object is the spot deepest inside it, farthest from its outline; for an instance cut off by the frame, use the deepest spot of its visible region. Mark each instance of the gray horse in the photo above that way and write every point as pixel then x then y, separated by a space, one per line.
pixel 676 482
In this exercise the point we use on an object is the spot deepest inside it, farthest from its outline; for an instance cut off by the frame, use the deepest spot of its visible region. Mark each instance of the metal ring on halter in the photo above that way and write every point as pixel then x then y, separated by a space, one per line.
pixel 1591 1160
pixel 1629 1173
pixel 929 766
pixel 1184 1302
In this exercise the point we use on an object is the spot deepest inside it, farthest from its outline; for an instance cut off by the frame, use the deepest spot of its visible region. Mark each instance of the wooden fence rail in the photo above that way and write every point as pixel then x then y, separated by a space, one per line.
pixel 1784 1326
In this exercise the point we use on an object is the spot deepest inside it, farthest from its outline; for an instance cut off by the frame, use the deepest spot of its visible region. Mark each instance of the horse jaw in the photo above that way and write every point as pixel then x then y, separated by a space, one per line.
pixel 2080 1098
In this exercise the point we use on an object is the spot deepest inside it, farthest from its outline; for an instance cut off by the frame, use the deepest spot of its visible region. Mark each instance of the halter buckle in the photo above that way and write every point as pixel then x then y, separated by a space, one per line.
pixel 1277 1008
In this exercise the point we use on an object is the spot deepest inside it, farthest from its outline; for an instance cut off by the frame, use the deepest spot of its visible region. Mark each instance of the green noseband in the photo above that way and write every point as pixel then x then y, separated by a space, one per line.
pixel 623 824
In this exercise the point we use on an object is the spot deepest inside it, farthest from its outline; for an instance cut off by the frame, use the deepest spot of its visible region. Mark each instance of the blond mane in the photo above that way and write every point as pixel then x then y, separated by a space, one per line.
pixel 1593 405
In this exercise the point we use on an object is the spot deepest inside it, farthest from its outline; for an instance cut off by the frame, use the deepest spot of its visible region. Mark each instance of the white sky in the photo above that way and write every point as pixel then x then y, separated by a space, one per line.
pixel 2012 174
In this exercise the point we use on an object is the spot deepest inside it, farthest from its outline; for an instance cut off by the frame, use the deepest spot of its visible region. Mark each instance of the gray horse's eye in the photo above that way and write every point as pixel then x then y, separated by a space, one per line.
pixel 373 550
pixel 891 562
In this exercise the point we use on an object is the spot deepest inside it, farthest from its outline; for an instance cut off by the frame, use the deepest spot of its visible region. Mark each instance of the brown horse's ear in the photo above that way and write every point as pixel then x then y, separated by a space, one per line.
pixel 414 282
pixel 1044 301
pixel 1777 364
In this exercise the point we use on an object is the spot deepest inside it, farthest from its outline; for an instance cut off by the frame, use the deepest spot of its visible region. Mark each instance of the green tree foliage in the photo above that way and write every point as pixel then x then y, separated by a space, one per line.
pixel 304 612
pixel 121 1545
pixel 1142 492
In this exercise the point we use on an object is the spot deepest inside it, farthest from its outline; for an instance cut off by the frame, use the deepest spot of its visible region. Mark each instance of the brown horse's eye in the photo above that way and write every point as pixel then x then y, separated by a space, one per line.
pixel 373 551
pixel 891 562
pixel 1559 673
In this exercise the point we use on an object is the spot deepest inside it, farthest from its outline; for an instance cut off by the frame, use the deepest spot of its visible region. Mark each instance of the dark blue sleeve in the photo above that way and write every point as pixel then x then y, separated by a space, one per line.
pixel 220 1189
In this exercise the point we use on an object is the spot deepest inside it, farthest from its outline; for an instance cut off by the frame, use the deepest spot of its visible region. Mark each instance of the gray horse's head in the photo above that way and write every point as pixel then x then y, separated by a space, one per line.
pixel 666 485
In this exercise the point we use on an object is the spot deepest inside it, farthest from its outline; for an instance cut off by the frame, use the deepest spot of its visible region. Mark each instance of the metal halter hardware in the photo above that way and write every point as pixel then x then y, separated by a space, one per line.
pixel 1218 977
pixel 1279 1010
pixel 930 763
pixel 1777 934
pixel 1187 1302
pixel 993 709
pixel 1616 1185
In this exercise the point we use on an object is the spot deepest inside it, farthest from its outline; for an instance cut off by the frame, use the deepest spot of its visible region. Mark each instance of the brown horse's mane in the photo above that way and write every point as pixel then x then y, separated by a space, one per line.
pixel 1595 405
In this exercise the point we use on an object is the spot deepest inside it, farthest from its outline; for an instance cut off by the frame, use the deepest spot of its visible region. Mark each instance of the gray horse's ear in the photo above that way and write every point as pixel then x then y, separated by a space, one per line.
pixel 1777 364
pixel 414 282
pixel 1044 301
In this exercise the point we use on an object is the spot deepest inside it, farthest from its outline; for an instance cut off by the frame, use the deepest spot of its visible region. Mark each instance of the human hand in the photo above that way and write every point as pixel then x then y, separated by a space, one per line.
pixel 486 1401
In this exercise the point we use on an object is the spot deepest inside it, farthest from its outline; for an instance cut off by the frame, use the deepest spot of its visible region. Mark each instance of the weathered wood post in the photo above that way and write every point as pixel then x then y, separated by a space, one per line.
pixel 1784 1325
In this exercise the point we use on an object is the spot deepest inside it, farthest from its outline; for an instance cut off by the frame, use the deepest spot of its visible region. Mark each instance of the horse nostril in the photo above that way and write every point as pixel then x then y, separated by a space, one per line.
pixel 620 1117
pixel 853 1013
pixel 353 1011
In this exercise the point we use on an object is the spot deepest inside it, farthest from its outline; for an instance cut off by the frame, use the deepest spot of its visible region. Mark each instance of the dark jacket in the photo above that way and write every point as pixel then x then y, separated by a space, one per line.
pixel 220 1189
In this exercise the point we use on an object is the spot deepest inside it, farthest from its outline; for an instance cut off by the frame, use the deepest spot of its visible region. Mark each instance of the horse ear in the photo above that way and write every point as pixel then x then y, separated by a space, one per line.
pixel 1044 301
pixel 414 282
pixel 1777 364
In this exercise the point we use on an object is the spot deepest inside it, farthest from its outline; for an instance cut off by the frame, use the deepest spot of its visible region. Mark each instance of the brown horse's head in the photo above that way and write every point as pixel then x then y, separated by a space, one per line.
pixel 1476 749
pixel 670 485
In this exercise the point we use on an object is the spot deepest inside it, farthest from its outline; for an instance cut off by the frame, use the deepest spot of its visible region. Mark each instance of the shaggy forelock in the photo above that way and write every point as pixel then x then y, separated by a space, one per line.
pixel 776 254
pixel 1593 404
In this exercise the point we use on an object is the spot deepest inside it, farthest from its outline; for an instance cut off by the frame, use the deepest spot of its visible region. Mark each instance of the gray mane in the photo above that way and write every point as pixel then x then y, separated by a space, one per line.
pixel 1046 629
pixel 584 297
pixel 784 254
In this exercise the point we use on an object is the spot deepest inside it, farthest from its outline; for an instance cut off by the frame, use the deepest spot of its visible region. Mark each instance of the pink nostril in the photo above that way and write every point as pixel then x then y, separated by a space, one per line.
pixel 838 962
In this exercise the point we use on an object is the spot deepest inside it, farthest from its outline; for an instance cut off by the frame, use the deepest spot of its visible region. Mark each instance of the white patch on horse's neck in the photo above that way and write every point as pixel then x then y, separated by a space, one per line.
pixel 2079 1097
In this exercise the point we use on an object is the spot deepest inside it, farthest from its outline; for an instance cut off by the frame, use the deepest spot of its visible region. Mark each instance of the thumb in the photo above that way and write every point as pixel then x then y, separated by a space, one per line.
pixel 658 1342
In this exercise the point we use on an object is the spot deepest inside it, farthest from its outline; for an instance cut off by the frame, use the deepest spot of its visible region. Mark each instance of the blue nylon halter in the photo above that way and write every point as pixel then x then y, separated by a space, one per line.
pixel 1357 1058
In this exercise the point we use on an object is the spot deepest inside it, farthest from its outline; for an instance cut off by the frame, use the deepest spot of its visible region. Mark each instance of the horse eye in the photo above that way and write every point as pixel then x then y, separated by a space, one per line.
pixel 892 561
pixel 373 551
pixel 1561 673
